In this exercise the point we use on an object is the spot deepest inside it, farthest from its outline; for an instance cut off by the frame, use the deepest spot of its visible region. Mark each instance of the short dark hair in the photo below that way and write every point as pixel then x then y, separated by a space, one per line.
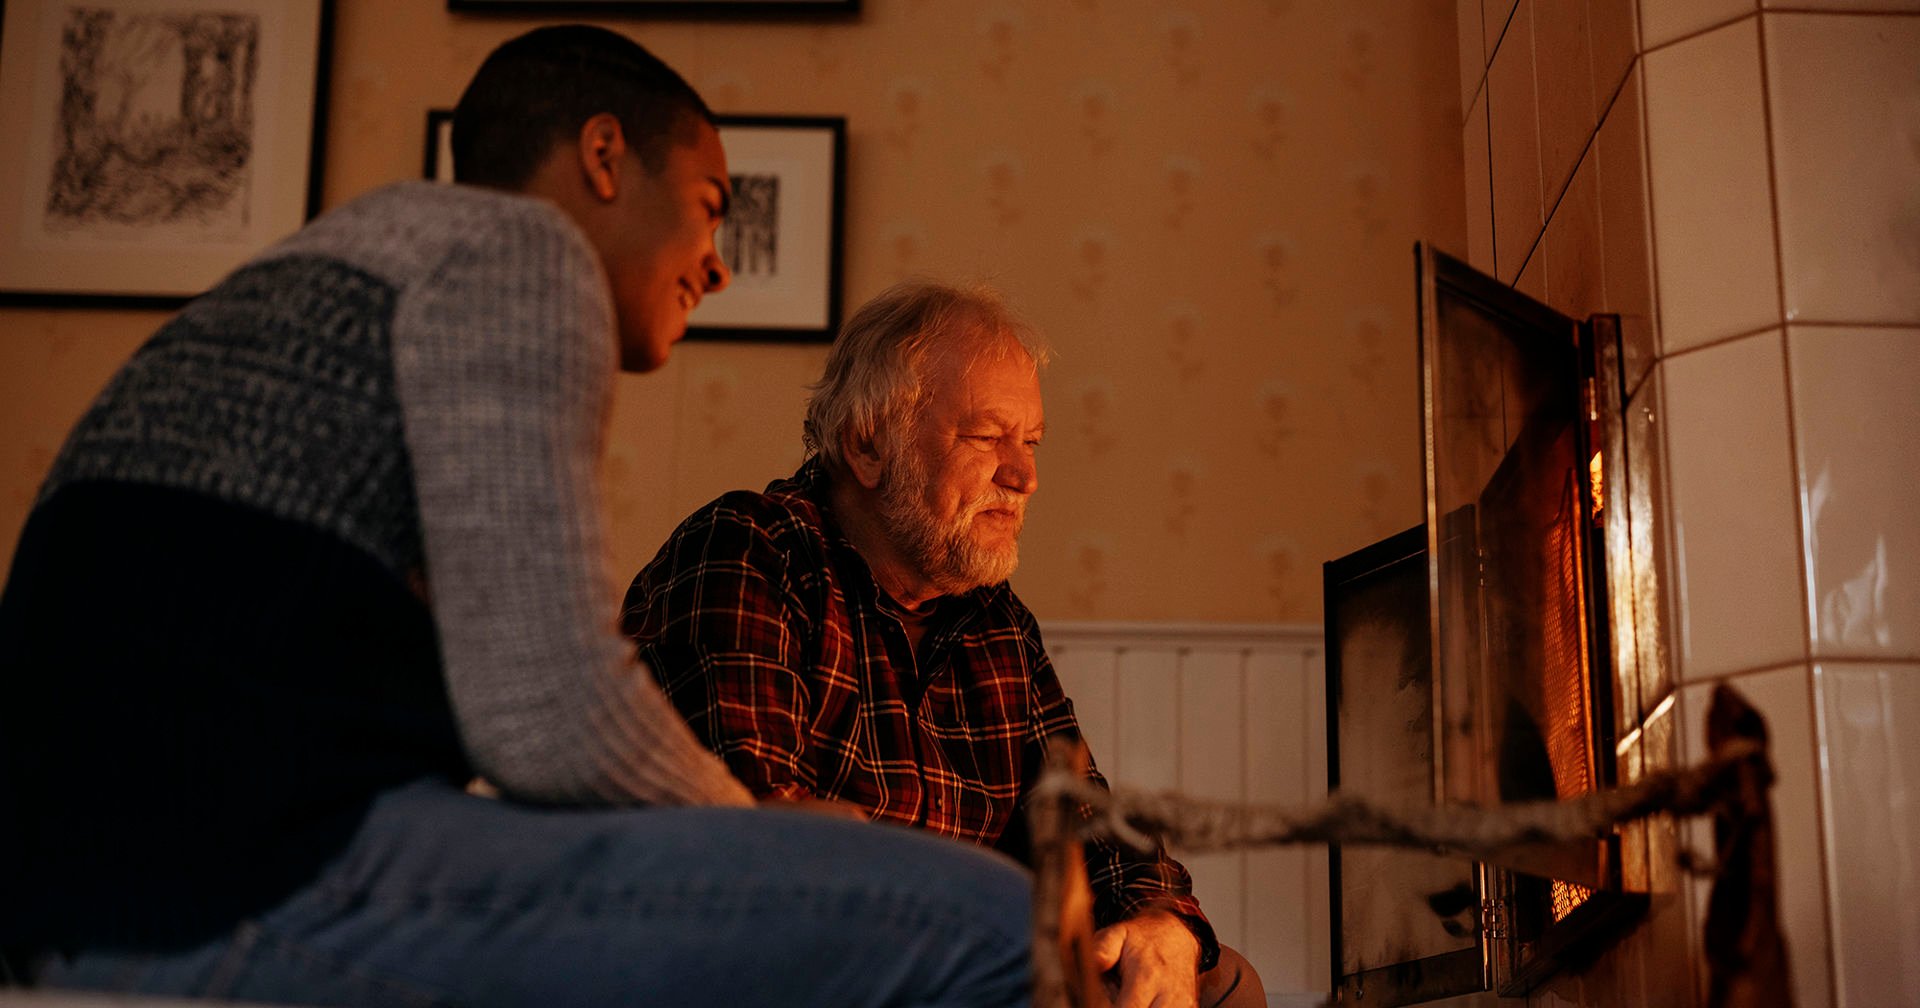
pixel 536 90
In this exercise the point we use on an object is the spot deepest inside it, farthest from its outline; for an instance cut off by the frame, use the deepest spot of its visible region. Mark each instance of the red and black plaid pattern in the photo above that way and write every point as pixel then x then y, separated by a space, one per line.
pixel 769 633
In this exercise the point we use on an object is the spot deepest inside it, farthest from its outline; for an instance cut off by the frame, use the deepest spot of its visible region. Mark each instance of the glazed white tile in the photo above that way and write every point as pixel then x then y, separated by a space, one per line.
pixel 1846 112
pixel 1479 186
pixel 1514 140
pixel 1532 280
pixel 1711 206
pixel 1473 49
pixel 1572 242
pixel 1732 517
pixel 1616 41
pixel 1624 224
pixel 1495 18
pixel 1784 698
pixel 1846 5
pixel 1856 416
pixel 1563 71
pixel 1662 21
pixel 1872 784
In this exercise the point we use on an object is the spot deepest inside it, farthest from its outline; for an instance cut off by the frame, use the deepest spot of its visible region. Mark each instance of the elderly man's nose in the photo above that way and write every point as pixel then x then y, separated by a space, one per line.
pixel 1018 471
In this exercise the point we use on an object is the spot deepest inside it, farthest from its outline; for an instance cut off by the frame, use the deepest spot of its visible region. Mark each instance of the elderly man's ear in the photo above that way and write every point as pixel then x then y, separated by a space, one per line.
pixel 863 457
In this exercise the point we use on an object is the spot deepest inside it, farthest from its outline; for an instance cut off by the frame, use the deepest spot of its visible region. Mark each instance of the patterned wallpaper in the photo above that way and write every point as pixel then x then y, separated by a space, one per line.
pixel 1209 209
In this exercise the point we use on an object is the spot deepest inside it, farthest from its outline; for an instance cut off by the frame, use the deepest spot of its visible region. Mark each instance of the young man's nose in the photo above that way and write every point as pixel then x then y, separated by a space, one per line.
pixel 718 275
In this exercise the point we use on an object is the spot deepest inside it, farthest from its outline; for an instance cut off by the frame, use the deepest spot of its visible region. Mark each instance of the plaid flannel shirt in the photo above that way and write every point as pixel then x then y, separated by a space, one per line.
pixel 767 630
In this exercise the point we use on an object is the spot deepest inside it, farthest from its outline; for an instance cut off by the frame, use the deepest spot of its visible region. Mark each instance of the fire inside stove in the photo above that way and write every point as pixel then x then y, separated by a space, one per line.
pixel 1567 697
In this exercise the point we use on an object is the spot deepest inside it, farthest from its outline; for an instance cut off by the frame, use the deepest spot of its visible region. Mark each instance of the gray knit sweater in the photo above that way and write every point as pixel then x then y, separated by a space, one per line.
pixel 425 374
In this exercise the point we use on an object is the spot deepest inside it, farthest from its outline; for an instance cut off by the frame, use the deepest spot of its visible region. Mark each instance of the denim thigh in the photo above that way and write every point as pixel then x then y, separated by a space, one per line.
pixel 444 898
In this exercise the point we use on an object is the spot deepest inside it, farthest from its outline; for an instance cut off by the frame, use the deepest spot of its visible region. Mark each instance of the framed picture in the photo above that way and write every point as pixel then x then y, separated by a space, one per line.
pixel 154 145
pixel 781 236
pixel 438 166
pixel 666 8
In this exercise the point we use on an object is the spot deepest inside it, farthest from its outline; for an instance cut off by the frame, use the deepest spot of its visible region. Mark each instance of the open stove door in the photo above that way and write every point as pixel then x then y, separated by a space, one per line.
pixel 1470 659
pixel 1521 424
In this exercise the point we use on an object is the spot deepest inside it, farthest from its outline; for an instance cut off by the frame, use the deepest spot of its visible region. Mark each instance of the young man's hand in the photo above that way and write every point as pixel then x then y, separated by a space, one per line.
pixel 1152 959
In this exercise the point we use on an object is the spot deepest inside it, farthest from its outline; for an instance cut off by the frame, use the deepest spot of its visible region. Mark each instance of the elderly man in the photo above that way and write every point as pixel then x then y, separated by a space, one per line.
pixel 849 634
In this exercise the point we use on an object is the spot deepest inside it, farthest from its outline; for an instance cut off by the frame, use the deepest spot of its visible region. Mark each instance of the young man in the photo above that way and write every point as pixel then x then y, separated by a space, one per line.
pixel 329 546
pixel 850 635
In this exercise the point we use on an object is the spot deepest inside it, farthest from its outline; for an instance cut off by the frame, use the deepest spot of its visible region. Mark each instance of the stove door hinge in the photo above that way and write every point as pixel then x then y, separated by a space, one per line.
pixel 1493 920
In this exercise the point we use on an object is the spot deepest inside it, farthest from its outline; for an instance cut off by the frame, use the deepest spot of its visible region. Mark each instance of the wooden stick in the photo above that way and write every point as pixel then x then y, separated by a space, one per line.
pixel 1550 838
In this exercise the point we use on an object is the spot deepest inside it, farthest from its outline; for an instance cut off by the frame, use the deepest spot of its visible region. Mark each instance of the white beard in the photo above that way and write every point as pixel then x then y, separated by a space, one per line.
pixel 950 554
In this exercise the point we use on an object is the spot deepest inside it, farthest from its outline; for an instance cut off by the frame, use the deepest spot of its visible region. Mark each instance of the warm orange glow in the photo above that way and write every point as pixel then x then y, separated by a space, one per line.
pixel 1597 484
pixel 1567 897
pixel 1567 701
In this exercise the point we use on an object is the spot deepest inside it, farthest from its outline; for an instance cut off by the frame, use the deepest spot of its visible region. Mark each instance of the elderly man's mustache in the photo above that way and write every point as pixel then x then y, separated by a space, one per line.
pixel 1003 501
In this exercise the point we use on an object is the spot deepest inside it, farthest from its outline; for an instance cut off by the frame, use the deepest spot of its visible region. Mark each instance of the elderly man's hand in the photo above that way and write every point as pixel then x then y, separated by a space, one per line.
pixel 1155 958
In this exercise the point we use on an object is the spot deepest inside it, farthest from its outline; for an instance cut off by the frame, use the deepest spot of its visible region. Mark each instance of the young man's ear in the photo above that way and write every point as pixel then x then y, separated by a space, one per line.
pixel 602 144
pixel 864 459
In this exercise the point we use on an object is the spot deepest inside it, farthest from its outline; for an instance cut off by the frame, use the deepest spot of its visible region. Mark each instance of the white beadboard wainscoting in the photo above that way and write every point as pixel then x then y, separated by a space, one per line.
pixel 1227 711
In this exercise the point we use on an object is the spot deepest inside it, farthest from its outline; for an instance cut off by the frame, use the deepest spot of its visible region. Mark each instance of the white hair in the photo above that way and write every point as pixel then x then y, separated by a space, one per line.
pixel 874 388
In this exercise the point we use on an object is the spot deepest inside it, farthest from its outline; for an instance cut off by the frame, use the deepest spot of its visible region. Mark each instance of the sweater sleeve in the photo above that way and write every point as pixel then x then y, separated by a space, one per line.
pixel 504 358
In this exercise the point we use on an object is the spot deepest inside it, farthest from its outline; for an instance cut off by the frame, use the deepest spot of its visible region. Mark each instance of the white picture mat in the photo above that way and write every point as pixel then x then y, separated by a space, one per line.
pixel 797 296
pixel 159 261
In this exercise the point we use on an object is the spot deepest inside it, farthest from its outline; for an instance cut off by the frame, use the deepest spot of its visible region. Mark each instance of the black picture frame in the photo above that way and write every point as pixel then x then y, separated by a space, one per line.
pixel 89 245
pixel 795 297
pixel 437 166
pixel 788 293
pixel 666 8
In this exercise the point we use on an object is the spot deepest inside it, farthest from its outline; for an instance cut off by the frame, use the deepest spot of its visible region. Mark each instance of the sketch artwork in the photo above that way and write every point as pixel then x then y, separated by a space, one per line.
pixel 750 234
pixel 155 126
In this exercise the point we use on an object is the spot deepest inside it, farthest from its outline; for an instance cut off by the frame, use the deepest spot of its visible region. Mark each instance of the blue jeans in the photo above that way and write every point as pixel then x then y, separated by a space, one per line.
pixel 448 899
